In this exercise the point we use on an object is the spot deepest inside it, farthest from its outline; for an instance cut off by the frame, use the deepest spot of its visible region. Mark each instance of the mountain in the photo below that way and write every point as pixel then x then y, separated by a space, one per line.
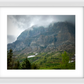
pixel 58 36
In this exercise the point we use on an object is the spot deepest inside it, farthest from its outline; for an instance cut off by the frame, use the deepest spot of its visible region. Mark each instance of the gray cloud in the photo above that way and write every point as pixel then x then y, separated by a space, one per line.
pixel 26 21
pixel 10 39
pixel 18 23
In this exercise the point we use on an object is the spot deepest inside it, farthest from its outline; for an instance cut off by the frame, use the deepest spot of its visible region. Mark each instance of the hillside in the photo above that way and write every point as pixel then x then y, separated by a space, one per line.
pixel 58 36
pixel 44 47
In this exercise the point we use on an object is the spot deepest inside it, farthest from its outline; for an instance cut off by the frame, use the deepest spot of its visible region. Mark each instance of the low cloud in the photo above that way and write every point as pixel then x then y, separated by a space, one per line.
pixel 18 23
pixel 10 39
pixel 26 21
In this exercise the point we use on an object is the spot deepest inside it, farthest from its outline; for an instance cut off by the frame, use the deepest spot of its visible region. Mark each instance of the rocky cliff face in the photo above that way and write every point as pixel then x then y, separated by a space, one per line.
pixel 56 36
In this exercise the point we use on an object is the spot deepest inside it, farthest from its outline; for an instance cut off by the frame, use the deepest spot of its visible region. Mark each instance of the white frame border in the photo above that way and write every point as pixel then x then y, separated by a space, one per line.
pixel 47 3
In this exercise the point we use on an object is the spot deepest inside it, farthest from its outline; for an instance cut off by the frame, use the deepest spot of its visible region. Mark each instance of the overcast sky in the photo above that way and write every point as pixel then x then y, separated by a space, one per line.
pixel 18 23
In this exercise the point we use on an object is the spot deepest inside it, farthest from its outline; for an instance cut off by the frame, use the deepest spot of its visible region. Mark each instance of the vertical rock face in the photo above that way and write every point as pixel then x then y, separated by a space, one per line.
pixel 40 39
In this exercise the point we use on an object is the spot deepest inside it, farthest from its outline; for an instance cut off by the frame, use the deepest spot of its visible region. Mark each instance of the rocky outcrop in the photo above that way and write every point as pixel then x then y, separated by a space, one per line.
pixel 41 39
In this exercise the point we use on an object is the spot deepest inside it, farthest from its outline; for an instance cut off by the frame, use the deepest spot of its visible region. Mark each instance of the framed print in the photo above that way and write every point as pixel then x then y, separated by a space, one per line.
pixel 41 42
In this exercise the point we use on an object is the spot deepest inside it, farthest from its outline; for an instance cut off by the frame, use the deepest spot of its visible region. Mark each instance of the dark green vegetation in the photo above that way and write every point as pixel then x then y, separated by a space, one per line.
pixel 50 43
pixel 48 60
pixel 13 64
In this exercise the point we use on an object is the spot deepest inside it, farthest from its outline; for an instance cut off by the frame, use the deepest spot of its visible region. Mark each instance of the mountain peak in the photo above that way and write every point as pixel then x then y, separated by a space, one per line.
pixel 44 39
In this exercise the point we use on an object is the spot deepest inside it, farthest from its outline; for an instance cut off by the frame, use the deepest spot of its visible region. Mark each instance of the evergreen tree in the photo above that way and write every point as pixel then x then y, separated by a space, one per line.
pixel 9 59
pixel 65 60
pixel 34 66
pixel 26 64
pixel 17 65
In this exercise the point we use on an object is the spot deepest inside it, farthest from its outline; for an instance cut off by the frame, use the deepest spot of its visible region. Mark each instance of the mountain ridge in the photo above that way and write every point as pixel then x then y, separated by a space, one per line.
pixel 41 39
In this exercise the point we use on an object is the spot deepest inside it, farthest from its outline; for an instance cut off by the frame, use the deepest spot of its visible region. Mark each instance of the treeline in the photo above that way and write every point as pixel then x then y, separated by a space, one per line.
pixel 13 64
